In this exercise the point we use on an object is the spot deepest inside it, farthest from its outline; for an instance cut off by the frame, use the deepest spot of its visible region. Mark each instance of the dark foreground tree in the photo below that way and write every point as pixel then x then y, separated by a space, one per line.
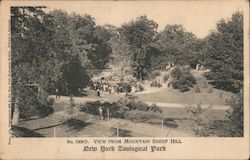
pixel 75 76
pixel 236 115
pixel 225 54
pixel 31 65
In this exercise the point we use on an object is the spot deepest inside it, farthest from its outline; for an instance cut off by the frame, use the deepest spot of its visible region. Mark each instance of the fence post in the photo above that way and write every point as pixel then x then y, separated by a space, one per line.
pixel 108 116
pixel 117 130
pixel 162 125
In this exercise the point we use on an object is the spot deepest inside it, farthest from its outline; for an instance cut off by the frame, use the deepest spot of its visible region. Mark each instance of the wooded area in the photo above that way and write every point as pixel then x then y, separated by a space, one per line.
pixel 57 50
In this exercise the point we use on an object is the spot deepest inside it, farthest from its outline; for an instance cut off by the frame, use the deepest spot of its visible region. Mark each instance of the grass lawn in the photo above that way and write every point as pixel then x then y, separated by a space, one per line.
pixel 168 95
pixel 207 95
pixel 182 113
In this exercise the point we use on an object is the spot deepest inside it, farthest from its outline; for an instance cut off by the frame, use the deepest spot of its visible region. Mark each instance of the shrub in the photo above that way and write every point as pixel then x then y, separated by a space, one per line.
pixel 155 84
pixel 33 104
pixel 141 88
pixel 236 115
pixel 142 116
pixel 210 90
pixel 200 121
pixel 120 108
pixel 130 96
pixel 155 108
pixel 204 85
pixel 182 79
pixel 125 87
pixel 155 74
pixel 197 90
pixel 51 101
pixel 166 77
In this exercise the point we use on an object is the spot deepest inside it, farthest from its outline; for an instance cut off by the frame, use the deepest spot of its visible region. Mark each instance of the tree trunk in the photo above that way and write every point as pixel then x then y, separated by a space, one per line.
pixel 16 113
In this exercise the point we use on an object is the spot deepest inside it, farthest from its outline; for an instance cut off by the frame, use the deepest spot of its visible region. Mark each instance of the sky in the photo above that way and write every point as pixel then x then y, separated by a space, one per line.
pixel 198 17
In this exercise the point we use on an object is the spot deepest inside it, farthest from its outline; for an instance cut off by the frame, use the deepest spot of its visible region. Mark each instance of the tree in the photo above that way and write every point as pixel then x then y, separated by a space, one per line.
pixel 224 54
pixel 139 36
pixel 176 45
pixel 182 79
pixel 75 76
pixel 31 66
pixel 72 44
pixel 120 59
pixel 81 30
pixel 100 56
pixel 236 115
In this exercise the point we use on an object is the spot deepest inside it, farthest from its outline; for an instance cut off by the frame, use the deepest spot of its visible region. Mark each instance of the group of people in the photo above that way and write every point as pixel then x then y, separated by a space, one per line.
pixel 105 87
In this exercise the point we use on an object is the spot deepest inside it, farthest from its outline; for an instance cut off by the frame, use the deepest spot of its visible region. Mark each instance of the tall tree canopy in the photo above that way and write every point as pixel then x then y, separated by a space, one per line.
pixel 224 54
pixel 176 45
pixel 32 64
pixel 139 36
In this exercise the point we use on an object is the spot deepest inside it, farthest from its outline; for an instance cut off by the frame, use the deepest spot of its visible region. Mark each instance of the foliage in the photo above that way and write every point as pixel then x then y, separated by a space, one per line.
pixel 120 109
pixel 176 45
pixel 139 35
pixel 51 101
pixel 200 121
pixel 75 76
pixel 125 87
pixel 224 54
pixel 182 79
pixel 236 115
pixel 155 74
pixel 142 116
pixel 197 89
pixel 32 106
pixel 166 77
pixel 32 68
pixel 155 84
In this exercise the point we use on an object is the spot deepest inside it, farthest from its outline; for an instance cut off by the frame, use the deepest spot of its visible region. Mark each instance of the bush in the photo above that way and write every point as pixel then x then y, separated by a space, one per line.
pixel 141 88
pixel 236 115
pixel 155 108
pixel 130 96
pixel 120 108
pixel 204 85
pixel 142 116
pixel 200 121
pixel 197 90
pixel 51 101
pixel 166 77
pixel 34 104
pixel 155 84
pixel 125 87
pixel 155 74
pixel 210 90
pixel 182 79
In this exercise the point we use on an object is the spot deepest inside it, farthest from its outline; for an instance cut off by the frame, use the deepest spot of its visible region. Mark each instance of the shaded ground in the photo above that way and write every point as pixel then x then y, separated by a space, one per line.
pixel 83 124
pixel 86 125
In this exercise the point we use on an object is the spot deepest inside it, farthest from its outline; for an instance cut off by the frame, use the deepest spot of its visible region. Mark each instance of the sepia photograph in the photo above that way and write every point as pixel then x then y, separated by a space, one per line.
pixel 137 77
pixel 124 79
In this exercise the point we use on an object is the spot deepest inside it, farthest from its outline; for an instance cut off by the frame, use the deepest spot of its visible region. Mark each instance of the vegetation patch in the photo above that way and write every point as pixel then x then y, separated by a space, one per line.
pixel 182 79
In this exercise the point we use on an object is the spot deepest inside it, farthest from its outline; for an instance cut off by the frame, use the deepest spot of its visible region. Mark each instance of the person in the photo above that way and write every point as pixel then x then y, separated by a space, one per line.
pixel 109 89
pixel 98 92
pixel 57 93
pixel 101 112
